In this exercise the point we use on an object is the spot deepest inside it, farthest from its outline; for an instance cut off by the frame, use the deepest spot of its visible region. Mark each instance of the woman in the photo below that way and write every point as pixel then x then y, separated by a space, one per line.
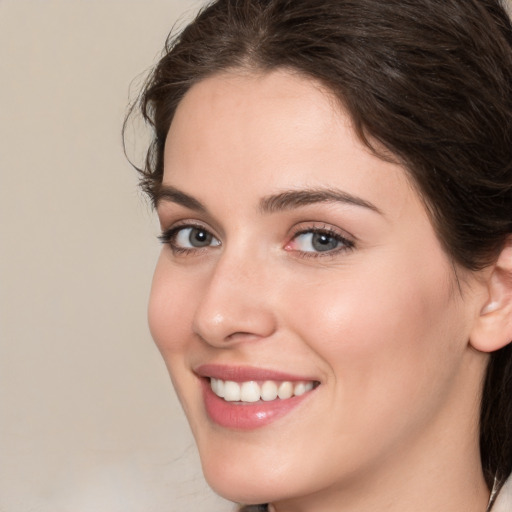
pixel 333 299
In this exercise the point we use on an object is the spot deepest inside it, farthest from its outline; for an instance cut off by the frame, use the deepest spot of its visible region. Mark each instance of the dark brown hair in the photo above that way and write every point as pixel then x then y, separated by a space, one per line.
pixel 427 83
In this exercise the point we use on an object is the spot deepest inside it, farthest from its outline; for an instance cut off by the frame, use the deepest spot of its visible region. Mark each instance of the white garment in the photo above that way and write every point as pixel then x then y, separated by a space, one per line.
pixel 503 502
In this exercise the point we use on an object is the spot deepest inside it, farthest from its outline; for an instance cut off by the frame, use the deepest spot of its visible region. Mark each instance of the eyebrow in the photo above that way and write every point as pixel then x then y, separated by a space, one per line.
pixel 286 200
pixel 173 195
pixel 290 199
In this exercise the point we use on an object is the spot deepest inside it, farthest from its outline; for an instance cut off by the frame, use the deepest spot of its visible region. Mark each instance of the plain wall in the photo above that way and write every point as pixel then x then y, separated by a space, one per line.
pixel 88 418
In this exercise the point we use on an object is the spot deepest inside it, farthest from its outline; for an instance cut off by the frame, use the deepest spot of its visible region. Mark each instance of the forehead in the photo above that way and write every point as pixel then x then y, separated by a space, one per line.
pixel 241 104
pixel 271 131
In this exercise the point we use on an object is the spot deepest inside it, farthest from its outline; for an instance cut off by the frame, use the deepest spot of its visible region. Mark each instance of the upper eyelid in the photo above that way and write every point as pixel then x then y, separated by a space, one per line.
pixel 317 227
pixel 295 230
pixel 175 219
pixel 175 228
pixel 346 241
pixel 169 208
pixel 186 223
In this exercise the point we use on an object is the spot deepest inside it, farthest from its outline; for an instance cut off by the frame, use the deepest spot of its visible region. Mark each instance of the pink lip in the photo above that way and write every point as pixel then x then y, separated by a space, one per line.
pixel 245 416
pixel 245 373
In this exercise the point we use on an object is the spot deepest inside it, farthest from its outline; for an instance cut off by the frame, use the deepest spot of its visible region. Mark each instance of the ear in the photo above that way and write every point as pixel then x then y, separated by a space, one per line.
pixel 493 328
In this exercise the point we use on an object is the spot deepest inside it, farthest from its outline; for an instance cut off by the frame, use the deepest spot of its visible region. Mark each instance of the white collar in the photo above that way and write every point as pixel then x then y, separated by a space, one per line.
pixel 503 502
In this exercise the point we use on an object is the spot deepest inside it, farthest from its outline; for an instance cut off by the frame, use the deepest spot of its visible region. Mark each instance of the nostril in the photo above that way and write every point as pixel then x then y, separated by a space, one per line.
pixel 242 336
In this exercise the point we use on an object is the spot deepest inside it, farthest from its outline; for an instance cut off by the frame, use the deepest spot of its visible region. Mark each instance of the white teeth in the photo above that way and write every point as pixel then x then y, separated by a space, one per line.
pixel 217 386
pixel 285 390
pixel 220 387
pixel 251 391
pixel 268 391
pixel 231 391
pixel 299 389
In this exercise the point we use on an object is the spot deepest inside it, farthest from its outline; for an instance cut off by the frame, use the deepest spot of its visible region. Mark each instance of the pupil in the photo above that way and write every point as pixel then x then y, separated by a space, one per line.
pixel 323 242
pixel 199 238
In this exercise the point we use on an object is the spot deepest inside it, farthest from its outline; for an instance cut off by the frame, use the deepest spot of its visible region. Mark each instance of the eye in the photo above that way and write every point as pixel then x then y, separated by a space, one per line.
pixel 193 237
pixel 319 241
pixel 188 238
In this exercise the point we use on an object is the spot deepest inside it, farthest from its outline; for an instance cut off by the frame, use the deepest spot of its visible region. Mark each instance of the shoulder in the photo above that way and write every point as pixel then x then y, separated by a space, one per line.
pixel 503 502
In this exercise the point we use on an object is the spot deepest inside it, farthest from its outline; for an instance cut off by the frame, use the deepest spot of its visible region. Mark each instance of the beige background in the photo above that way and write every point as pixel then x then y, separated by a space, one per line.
pixel 88 419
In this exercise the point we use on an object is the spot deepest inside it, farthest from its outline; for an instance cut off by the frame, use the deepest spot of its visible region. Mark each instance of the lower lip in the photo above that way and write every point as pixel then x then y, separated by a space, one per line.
pixel 243 415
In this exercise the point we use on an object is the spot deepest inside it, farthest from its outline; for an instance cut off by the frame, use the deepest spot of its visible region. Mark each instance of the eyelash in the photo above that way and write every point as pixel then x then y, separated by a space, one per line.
pixel 168 237
pixel 346 244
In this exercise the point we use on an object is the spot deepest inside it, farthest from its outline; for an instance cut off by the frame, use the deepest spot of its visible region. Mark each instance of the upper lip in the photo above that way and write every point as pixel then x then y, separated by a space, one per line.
pixel 246 373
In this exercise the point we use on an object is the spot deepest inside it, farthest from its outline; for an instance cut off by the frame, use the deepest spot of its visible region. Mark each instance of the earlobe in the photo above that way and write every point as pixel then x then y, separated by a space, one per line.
pixel 493 327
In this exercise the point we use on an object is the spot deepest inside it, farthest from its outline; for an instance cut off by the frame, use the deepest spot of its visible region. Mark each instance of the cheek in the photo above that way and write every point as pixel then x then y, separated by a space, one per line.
pixel 170 310
pixel 366 316
pixel 385 334
pixel 389 345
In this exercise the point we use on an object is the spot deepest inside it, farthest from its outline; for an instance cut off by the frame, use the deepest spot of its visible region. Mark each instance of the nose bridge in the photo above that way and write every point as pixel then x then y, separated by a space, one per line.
pixel 235 303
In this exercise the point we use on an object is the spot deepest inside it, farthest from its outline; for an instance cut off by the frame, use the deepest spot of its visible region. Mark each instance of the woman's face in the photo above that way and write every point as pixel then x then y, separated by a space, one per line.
pixel 296 262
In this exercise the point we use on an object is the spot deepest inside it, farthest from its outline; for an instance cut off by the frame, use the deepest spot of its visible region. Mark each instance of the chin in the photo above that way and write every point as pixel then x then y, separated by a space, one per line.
pixel 250 474
pixel 248 489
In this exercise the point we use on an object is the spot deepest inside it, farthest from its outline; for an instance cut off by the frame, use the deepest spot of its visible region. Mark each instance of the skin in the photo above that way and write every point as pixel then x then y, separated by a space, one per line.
pixel 382 322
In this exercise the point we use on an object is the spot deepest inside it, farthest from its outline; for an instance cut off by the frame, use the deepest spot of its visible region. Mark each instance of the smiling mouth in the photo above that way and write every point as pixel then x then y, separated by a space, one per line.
pixel 256 391
pixel 247 398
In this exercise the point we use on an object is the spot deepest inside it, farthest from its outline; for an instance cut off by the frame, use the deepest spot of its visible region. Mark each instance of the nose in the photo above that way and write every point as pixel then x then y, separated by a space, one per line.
pixel 236 304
